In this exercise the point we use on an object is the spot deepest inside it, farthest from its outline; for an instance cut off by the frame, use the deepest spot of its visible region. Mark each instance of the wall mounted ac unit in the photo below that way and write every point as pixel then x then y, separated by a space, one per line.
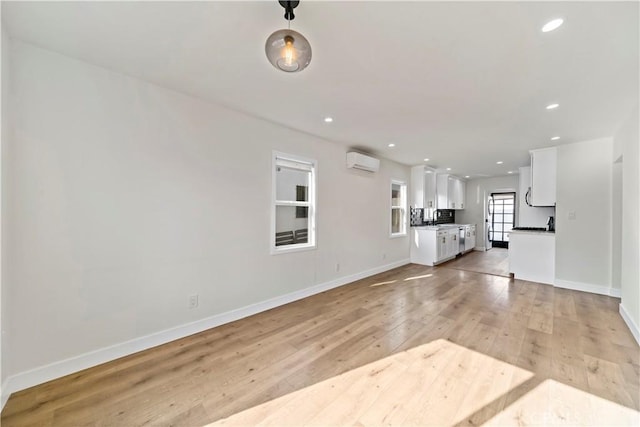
pixel 362 162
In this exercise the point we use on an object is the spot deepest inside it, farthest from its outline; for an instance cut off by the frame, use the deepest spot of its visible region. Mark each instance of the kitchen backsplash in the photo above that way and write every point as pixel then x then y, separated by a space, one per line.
pixel 445 216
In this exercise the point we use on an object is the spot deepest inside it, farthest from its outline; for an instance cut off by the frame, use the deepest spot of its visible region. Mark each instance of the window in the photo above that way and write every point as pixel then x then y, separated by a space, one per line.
pixel 293 207
pixel 301 196
pixel 398 208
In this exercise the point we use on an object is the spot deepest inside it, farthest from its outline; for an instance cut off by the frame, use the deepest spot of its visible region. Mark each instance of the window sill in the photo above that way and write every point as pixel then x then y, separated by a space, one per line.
pixel 291 248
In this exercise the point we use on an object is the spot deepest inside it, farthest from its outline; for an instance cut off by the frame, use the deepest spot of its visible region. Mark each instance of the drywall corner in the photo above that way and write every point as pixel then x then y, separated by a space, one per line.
pixel 5 133
pixel 628 139
pixel 633 327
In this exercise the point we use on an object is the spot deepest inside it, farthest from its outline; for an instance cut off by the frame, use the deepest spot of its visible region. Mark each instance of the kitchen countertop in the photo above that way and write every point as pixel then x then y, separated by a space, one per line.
pixel 546 233
pixel 438 227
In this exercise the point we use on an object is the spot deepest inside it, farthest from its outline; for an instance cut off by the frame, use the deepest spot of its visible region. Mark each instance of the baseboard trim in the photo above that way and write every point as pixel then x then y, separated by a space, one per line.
pixel 545 280
pixel 587 287
pixel 68 366
pixel 630 323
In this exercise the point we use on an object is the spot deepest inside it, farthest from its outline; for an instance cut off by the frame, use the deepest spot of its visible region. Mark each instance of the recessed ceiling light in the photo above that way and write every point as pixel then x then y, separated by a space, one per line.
pixel 552 106
pixel 555 138
pixel 510 172
pixel 499 162
pixel 552 25
pixel 391 145
pixel 448 169
pixel 426 160
pixel 328 119
pixel 466 176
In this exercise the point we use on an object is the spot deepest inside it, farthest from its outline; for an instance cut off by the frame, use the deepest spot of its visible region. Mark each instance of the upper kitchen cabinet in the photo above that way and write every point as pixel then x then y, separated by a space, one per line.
pixel 456 193
pixel 423 187
pixel 416 199
pixel 450 191
pixel 429 188
pixel 543 177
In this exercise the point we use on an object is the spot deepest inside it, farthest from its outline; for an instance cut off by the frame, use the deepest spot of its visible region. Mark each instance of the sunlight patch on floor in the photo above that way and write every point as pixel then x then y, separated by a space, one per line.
pixel 382 283
pixel 390 282
pixel 554 403
pixel 436 383
pixel 419 277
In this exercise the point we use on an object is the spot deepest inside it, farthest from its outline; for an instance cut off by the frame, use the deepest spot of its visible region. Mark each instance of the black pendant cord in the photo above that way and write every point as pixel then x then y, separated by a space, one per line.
pixel 289 5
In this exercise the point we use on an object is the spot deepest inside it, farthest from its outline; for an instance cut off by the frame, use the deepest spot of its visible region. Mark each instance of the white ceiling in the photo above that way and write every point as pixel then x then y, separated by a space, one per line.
pixel 462 83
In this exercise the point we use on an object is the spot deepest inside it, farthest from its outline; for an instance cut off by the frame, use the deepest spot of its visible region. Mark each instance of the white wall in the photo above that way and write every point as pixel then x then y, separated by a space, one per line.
pixel 583 244
pixel 121 209
pixel 477 191
pixel 616 224
pixel 626 144
pixel 4 136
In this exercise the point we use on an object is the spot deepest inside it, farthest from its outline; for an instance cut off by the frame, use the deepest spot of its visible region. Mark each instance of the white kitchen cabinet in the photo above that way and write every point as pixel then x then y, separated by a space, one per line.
pixel 532 256
pixel 450 191
pixel 442 191
pixel 443 245
pixel 456 193
pixel 431 245
pixel 454 241
pixel 416 199
pixel 473 236
pixel 424 249
pixel 423 187
pixel 470 238
pixel 429 188
pixel 543 177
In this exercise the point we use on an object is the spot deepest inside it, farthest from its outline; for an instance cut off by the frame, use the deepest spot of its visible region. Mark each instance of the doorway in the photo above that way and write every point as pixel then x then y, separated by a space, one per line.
pixel 502 209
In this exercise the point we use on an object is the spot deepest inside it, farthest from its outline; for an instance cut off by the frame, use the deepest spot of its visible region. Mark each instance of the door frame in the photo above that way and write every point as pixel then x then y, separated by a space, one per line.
pixel 503 243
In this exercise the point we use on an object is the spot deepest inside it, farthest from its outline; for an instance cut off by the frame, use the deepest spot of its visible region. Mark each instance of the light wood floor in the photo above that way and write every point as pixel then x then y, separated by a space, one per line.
pixel 494 261
pixel 415 345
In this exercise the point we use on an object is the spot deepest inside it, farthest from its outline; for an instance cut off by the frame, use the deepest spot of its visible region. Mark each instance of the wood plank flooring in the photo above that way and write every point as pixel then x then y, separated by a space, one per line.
pixel 494 261
pixel 413 346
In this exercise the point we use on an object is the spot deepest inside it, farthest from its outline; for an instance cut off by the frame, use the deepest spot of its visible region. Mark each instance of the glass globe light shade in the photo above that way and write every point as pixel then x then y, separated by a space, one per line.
pixel 288 50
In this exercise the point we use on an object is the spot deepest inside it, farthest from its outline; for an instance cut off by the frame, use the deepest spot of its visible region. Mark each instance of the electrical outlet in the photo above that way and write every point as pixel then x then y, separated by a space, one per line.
pixel 572 215
pixel 384 256
pixel 337 267
pixel 193 301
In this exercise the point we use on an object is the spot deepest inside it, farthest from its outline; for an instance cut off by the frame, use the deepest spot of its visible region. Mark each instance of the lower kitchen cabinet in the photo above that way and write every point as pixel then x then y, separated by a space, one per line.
pixel 443 245
pixel 470 240
pixel 431 246
pixel 425 245
pixel 532 256
pixel 454 242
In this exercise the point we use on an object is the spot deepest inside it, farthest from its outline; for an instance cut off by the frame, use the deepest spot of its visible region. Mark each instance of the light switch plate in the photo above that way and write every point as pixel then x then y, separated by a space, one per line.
pixel 572 215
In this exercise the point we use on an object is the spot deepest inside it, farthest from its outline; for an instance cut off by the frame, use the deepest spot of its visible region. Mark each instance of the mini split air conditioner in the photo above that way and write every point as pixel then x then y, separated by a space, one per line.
pixel 362 162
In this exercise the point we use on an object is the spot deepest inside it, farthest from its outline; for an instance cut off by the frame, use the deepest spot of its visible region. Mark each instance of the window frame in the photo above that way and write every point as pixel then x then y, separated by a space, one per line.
pixel 403 206
pixel 310 204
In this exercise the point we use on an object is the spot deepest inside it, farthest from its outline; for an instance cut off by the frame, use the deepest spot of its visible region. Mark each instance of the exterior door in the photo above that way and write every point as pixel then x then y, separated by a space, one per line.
pixel 502 210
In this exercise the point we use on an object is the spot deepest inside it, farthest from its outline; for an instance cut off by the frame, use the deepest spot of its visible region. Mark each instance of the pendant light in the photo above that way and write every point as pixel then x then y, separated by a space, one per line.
pixel 288 50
